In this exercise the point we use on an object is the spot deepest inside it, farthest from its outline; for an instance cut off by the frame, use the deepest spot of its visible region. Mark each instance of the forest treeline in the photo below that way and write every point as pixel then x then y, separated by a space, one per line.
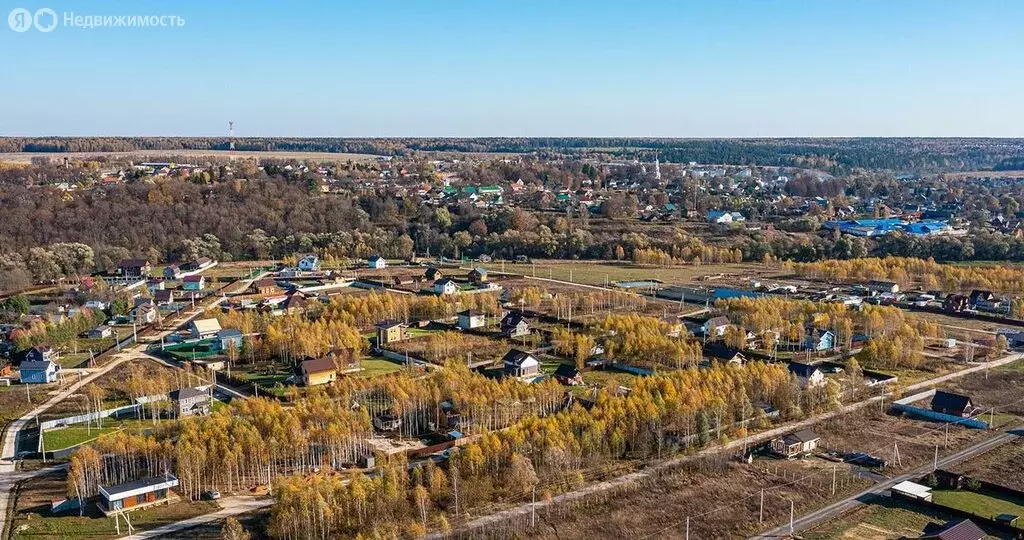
pixel 909 272
pixel 829 154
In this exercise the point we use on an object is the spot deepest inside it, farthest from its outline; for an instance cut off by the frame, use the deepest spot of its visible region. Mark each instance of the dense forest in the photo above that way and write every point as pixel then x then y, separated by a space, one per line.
pixel 903 154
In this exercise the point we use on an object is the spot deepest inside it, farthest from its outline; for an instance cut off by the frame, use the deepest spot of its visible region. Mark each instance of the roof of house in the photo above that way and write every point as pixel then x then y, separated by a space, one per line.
pixel 229 332
pixel 471 313
pixel 444 281
pixel 133 263
pixel 318 365
pixel 950 401
pixel 164 295
pixel 432 272
pixel 206 325
pixel 804 435
pixel 139 487
pixel 187 393
pixel 517 357
pixel 715 322
pixel 388 324
pixel 36 366
pixel 802 370
pixel 721 352
pixel 376 258
pixel 479 270
pixel 193 279
pixel 964 529
pixel 101 328
pixel 568 371
pixel 264 283
pixel 513 318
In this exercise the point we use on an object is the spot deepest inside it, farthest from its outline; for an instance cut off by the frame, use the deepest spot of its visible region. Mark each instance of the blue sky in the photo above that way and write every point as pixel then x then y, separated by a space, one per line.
pixel 717 68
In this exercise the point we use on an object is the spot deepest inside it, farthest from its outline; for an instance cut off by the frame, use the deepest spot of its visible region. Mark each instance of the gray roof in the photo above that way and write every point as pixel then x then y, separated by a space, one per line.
pixel 35 366
pixel 186 393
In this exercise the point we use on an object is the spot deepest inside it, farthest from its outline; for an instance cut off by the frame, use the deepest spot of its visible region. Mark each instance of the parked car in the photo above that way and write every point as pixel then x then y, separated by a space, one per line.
pixel 211 495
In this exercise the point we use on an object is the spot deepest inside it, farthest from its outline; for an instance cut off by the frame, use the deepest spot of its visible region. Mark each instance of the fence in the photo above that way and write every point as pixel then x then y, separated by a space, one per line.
pixel 82 418
pixel 904 406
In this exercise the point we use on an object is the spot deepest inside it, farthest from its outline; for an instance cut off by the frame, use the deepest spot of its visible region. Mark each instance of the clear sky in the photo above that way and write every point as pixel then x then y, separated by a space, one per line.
pixel 715 68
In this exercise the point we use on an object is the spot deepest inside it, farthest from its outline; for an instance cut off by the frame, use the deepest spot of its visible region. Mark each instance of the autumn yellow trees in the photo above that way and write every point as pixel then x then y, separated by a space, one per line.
pixel 645 341
pixel 907 271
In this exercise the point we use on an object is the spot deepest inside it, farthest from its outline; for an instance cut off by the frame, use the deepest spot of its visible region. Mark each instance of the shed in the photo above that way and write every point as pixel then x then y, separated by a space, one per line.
pixel 911 490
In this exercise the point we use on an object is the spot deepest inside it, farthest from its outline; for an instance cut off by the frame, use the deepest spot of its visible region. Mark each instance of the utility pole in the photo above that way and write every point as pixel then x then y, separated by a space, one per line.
pixel 760 515
pixel 533 509
pixel 792 508
pixel 834 479
pixel 687 527
pixel 935 464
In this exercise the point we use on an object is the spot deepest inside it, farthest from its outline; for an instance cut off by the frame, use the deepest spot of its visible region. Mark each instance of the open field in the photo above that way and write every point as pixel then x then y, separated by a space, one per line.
pixel 374 367
pixel 33 519
pixel 597 273
pixel 138 155
pixel 114 383
pixel 1003 466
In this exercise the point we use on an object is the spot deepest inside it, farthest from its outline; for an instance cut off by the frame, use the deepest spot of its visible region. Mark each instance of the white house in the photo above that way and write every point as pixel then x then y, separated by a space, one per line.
pixel 720 216
pixel 445 286
pixel 309 263
pixel 471 318
pixel 521 365
pixel 204 328
pixel 377 262
pixel 808 376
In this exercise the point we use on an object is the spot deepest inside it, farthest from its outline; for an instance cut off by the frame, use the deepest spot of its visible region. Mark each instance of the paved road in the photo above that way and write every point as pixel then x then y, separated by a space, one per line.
pixel 524 509
pixel 854 501
pixel 231 506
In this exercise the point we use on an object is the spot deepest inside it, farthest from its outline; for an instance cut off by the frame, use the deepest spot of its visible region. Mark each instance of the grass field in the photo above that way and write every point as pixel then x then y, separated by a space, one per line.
pixel 373 367
pixel 57 439
pixel 978 504
pixel 602 273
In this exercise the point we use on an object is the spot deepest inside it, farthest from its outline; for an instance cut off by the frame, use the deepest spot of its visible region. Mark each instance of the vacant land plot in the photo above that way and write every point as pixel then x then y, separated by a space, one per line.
pixel 374 367
pixel 1003 466
pixel 66 437
pixel 114 382
pixel 605 273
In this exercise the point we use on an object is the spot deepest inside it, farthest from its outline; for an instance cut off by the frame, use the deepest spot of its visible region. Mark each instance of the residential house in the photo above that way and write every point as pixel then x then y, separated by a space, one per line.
pixel 377 263
pixel 264 287
pixel 163 298
pixel 101 332
pixel 819 341
pixel 387 422
pixel 202 263
pixel 432 274
pixel 808 376
pixel 99 305
pixel 296 302
pixel 137 494
pixel 715 326
pixel 471 318
pixel 953 404
pixel 883 286
pixel 172 271
pixel 42 353
pixel 673 325
pixel 390 332
pixel 155 285
pixel 203 328
pixel 956 303
pixel 520 364
pixel 724 354
pixel 229 339
pixel 963 529
pixel 134 268
pixel 568 375
pixel 317 371
pixel 193 283
pixel 191 402
pixel 309 263
pixel 514 324
pixel 723 217
pixel 478 275
pixel 143 314
pixel 984 300
pixel 800 443
pixel 445 286
pixel 39 372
